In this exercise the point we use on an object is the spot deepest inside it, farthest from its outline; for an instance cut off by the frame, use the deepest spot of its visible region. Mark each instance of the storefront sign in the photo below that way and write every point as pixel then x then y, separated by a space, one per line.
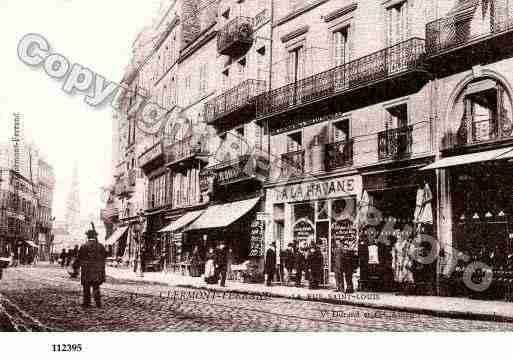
pixel 316 190
pixel 345 232
pixel 257 233
pixel 303 231
pixel 263 216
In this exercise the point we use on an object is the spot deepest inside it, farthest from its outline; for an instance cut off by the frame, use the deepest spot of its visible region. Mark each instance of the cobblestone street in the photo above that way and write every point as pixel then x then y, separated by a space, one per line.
pixel 44 298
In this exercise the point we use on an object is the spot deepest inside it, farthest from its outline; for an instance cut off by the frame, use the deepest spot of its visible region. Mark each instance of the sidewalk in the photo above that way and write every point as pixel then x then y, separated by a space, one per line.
pixel 461 308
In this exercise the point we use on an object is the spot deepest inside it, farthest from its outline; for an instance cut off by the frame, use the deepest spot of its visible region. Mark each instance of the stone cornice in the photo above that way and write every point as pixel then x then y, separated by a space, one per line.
pixel 293 34
pixel 339 12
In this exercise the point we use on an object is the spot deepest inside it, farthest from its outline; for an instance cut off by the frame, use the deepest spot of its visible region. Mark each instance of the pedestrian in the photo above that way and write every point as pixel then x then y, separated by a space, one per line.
pixel 91 258
pixel 210 271
pixel 62 257
pixel 221 263
pixel 270 263
pixel 299 264
pixel 288 262
pixel 343 267
pixel 69 257
pixel 315 267
pixel 196 262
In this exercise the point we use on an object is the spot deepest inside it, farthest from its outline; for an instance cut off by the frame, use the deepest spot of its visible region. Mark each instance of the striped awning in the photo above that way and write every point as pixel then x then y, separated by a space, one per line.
pixel 118 233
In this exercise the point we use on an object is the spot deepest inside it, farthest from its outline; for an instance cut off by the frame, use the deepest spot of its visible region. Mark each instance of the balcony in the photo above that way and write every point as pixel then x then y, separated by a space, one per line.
pixel 150 155
pixel 124 186
pixel 245 167
pixel 239 99
pixel 186 149
pixel 109 214
pixel 395 62
pixel 466 26
pixel 339 154
pixel 484 132
pixel 236 36
pixel 292 164
pixel 395 143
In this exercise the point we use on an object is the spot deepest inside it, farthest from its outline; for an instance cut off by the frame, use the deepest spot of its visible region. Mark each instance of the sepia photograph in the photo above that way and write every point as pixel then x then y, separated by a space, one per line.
pixel 188 166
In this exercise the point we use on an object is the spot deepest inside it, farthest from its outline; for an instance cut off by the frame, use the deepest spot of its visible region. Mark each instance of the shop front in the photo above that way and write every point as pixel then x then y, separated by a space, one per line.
pixel 480 194
pixel 233 223
pixel 401 202
pixel 314 213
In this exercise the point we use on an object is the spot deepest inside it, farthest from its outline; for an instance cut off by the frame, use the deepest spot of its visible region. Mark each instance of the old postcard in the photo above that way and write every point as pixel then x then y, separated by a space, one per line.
pixel 256 165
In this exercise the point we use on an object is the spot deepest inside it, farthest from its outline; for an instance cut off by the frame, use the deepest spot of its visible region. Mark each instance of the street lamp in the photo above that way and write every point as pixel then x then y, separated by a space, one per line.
pixel 138 226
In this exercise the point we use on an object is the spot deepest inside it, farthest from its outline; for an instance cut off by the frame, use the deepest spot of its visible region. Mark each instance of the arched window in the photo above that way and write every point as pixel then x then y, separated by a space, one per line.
pixel 482 112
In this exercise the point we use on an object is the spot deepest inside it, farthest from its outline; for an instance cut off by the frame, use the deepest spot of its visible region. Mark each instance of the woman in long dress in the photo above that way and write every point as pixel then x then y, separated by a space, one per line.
pixel 210 277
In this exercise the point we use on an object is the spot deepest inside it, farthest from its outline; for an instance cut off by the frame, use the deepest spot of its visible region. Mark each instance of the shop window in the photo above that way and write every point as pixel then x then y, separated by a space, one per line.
pixel 322 210
pixel 304 211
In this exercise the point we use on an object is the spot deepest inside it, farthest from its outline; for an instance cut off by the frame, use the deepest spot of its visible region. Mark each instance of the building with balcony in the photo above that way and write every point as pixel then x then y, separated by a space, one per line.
pixel 469 52
pixel 349 117
pixel 45 187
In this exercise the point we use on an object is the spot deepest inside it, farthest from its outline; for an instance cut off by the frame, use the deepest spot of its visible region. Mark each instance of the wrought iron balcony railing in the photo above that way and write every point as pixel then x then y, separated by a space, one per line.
pixel 339 154
pixel 151 154
pixel 489 130
pixel 461 28
pixel 124 186
pixel 237 98
pixel 292 164
pixel 236 36
pixel 378 66
pixel 249 166
pixel 395 143
pixel 109 214
pixel 185 149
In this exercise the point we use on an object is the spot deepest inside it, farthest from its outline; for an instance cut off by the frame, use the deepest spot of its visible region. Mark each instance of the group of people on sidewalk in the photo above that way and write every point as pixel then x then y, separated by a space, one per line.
pixel 216 265
pixel 296 261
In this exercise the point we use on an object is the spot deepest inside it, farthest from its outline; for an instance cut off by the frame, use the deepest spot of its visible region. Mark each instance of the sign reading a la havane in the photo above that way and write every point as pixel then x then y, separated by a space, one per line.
pixel 316 190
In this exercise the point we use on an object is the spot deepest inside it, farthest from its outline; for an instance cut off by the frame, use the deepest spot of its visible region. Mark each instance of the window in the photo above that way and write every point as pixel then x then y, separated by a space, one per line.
pixel 203 83
pixel 225 79
pixel 294 142
pixel 340 45
pixel 397 116
pixel 340 130
pixel 397 23
pixel 295 69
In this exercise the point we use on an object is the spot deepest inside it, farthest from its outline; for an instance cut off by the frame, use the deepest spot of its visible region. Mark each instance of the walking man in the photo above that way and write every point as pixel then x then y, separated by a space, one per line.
pixel 270 263
pixel 221 263
pixel 299 264
pixel 91 258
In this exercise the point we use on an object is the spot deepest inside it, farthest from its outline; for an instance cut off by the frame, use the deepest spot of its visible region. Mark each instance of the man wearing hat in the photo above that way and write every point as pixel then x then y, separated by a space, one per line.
pixel 91 258
pixel 270 263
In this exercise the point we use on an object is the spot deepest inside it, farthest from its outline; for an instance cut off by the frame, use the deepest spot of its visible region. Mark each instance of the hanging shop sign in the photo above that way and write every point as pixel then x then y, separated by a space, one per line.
pixel 303 231
pixel 333 188
pixel 257 232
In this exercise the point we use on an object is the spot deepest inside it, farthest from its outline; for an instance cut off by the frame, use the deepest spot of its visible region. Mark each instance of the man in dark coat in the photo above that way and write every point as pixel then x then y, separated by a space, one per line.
pixel 270 263
pixel 299 264
pixel 221 263
pixel 343 267
pixel 91 258
pixel 315 265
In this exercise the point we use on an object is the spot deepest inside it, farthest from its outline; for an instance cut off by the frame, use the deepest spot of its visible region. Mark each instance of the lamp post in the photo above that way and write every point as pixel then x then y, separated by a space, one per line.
pixel 138 233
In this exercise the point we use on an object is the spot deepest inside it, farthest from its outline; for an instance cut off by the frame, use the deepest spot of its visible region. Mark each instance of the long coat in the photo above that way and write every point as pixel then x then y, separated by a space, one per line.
pixel 342 260
pixel 270 261
pixel 315 264
pixel 91 257
pixel 221 258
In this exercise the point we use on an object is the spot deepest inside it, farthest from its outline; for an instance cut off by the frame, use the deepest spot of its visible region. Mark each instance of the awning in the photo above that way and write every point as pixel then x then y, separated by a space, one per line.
pixel 116 235
pixel 492 155
pixel 181 222
pixel 32 244
pixel 222 215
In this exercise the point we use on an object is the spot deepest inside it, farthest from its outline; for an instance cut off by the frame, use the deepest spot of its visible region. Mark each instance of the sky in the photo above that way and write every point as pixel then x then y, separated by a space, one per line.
pixel 97 34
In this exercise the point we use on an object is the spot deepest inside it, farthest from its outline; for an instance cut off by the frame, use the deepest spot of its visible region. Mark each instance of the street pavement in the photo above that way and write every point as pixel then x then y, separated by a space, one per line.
pixel 44 298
